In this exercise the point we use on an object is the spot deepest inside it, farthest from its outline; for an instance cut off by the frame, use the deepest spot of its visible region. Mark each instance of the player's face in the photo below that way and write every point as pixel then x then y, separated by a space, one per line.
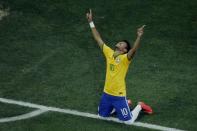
pixel 121 46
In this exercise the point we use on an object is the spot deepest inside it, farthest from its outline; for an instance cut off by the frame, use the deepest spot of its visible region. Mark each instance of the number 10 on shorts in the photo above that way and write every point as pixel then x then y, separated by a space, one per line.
pixel 124 112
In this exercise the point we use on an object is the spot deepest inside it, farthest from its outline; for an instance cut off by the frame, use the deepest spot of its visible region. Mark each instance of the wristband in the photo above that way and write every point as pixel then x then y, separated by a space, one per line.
pixel 92 24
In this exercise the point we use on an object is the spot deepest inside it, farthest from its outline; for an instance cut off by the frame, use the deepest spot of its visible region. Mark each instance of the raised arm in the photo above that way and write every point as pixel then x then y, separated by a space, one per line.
pixel 95 33
pixel 132 51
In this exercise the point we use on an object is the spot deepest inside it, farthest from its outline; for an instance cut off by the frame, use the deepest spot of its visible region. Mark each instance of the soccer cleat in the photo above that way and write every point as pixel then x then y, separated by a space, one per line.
pixel 146 108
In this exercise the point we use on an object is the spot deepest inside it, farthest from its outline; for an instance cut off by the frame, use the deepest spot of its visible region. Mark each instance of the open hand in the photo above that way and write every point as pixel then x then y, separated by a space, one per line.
pixel 140 30
pixel 89 16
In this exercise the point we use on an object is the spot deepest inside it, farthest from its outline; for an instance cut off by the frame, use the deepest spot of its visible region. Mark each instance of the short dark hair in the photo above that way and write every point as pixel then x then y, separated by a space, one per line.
pixel 128 45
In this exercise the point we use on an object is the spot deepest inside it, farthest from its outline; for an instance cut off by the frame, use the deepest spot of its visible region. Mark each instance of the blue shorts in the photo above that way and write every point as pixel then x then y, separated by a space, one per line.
pixel 109 102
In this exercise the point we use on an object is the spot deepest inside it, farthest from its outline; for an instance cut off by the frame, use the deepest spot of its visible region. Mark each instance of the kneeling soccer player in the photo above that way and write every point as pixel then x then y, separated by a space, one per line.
pixel 117 61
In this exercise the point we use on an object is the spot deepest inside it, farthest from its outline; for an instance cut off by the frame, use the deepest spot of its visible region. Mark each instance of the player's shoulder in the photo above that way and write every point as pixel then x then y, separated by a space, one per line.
pixel 106 47
pixel 125 58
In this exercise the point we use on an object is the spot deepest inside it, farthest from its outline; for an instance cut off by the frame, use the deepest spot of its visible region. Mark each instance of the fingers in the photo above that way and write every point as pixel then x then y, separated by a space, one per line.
pixel 87 15
pixel 90 11
pixel 143 26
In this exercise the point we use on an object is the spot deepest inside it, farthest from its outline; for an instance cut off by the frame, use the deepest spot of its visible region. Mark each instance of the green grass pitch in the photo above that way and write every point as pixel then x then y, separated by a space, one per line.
pixel 48 57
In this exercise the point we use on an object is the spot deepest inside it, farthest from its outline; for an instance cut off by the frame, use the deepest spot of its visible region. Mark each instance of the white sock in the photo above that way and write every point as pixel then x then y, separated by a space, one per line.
pixel 135 112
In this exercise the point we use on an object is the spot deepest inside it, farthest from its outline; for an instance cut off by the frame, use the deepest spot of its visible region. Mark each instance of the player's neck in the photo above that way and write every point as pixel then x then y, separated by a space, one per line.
pixel 117 53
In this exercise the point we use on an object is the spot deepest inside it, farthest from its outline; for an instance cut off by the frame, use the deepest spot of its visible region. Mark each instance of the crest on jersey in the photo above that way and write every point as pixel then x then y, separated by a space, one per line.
pixel 117 60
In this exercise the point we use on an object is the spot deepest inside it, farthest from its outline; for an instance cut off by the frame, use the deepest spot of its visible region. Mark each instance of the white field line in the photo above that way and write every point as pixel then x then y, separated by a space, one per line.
pixel 24 116
pixel 84 114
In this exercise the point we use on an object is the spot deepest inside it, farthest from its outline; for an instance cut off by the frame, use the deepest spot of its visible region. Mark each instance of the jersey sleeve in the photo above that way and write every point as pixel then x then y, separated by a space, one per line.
pixel 107 51
pixel 126 60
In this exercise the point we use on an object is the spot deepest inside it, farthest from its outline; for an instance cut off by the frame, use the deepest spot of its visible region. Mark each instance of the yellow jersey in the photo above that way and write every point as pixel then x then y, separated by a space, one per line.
pixel 116 70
